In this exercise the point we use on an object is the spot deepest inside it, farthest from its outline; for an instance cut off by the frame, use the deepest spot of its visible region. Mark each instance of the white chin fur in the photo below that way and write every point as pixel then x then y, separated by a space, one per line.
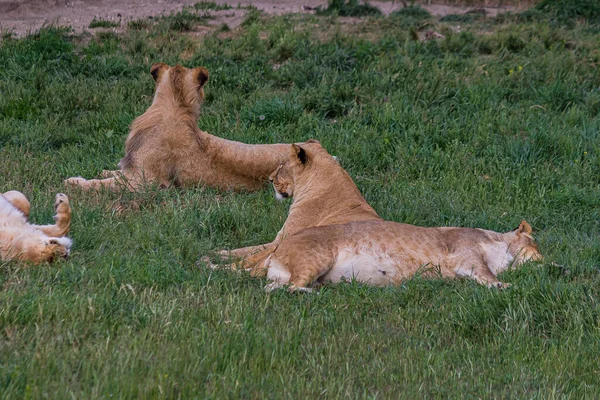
pixel 278 196
pixel 65 242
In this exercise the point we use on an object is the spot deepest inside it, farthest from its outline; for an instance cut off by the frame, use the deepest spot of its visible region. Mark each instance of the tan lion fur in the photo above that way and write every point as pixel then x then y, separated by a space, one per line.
pixel 323 194
pixel 378 252
pixel 20 240
pixel 166 147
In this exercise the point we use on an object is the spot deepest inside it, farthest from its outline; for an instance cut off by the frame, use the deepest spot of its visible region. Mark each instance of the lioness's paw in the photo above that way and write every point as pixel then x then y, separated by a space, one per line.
pixel 110 174
pixel 294 288
pixel 290 287
pixel 61 202
pixel 205 261
pixel 75 181
pixel 499 285
pixel 273 286
pixel 224 255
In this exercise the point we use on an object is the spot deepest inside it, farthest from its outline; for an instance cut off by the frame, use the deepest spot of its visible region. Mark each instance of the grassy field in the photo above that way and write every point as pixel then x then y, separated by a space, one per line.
pixel 481 128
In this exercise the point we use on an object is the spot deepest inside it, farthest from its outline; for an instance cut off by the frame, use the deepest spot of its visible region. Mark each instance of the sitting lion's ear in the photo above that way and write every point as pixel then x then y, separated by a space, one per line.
pixel 201 76
pixel 299 153
pixel 157 69
pixel 525 228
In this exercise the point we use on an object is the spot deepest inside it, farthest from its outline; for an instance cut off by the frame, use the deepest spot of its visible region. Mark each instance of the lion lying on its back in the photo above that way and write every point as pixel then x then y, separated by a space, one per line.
pixel 166 147
pixel 380 252
pixel 20 240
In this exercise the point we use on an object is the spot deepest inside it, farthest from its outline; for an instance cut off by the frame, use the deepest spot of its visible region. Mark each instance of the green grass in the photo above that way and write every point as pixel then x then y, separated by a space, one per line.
pixel 413 16
pixel 571 9
pixel 185 20
pixel 348 8
pixel 480 129
pixel 103 23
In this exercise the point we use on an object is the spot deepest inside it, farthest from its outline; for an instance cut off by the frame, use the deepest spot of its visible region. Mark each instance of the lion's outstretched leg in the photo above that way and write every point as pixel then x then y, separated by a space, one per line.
pixel 252 262
pixel 479 271
pixel 243 252
pixel 62 218
pixel 87 184
pixel 114 183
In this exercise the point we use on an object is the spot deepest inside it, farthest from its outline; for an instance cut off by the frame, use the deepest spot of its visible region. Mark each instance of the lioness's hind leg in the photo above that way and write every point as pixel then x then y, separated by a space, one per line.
pixel 305 273
pixel 62 218
pixel 242 252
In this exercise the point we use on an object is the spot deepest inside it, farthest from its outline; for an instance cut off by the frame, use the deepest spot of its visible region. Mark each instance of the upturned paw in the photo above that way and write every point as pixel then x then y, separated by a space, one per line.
pixel 61 203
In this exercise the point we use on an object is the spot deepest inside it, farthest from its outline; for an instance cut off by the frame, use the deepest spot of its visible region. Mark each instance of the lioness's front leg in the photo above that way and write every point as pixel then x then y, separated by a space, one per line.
pixel 62 218
pixel 482 275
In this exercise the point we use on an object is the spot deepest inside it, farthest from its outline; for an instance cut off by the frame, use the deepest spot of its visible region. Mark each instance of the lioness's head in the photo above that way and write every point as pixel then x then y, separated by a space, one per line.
pixel 301 162
pixel 182 84
pixel 522 245
pixel 50 250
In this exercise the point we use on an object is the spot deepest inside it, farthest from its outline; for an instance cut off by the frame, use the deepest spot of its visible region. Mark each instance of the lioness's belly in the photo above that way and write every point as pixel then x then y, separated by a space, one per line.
pixel 364 266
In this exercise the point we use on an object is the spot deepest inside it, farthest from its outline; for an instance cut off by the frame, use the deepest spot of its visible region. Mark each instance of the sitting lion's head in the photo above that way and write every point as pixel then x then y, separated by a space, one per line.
pixel 182 84
pixel 302 161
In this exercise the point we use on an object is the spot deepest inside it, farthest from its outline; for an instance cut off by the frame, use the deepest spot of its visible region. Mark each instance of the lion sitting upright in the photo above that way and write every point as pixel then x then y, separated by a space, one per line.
pixel 20 240
pixel 166 147
pixel 374 251
pixel 328 196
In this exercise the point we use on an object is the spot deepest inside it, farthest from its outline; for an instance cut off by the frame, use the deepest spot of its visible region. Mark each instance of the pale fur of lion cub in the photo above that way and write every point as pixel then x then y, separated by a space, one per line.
pixel 326 196
pixel 380 252
pixel 166 147
pixel 20 240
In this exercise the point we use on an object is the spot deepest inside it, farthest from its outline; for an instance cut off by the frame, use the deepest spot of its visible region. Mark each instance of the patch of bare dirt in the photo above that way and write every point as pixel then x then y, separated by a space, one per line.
pixel 24 16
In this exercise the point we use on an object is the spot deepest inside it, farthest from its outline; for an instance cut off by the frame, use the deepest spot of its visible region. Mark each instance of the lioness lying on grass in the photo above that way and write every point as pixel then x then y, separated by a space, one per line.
pixel 380 252
pixel 20 240
pixel 166 147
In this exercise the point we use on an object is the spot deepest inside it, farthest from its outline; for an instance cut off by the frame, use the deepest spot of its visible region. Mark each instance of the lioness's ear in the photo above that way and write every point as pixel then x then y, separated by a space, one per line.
pixel 299 153
pixel 525 228
pixel 157 69
pixel 200 76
